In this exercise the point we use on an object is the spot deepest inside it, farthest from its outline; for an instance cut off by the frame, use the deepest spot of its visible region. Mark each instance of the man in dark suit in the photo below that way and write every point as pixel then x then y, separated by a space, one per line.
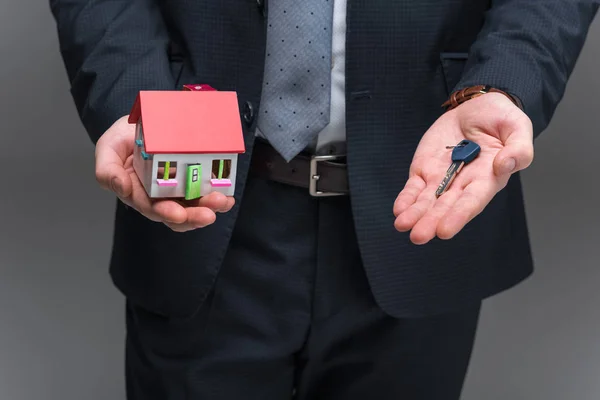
pixel 283 290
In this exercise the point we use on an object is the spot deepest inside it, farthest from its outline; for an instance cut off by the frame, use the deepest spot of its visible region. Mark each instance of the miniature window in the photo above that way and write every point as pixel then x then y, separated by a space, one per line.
pixel 221 171
pixel 166 173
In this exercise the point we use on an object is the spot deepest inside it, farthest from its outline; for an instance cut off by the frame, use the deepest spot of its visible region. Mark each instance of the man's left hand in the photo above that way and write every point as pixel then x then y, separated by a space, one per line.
pixel 505 135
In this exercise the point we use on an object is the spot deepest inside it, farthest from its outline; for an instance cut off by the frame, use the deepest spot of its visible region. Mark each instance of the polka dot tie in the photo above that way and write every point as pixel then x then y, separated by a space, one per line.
pixel 296 87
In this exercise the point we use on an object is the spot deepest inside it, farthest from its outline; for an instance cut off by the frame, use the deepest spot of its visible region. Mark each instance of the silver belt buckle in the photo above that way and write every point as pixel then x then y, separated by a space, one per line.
pixel 314 175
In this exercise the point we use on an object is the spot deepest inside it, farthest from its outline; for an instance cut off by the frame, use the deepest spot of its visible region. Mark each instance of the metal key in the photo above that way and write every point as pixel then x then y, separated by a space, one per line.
pixel 462 154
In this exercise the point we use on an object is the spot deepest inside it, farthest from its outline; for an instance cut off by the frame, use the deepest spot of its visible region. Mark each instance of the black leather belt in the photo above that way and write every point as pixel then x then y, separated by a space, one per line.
pixel 321 175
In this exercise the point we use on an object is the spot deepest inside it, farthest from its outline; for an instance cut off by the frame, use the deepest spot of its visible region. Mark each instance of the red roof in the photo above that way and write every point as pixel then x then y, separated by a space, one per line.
pixel 189 121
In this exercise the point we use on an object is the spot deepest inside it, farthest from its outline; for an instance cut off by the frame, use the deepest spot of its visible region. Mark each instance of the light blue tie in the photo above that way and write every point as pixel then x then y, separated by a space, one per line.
pixel 297 82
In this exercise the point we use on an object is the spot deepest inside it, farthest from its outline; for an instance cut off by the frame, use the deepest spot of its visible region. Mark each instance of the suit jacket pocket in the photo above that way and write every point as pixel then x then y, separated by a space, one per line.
pixel 453 65
pixel 166 272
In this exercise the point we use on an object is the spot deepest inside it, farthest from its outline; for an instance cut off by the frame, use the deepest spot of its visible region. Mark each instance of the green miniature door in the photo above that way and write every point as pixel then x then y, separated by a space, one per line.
pixel 193 182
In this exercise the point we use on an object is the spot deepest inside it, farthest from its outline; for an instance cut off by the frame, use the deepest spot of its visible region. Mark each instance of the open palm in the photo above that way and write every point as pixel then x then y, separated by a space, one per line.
pixel 115 172
pixel 505 136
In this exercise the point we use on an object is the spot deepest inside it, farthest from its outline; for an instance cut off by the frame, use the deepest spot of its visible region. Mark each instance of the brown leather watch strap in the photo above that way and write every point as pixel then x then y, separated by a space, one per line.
pixel 460 96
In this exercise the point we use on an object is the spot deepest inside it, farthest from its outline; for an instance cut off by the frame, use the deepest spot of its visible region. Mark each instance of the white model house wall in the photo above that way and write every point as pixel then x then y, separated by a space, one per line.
pixel 147 170
pixel 183 160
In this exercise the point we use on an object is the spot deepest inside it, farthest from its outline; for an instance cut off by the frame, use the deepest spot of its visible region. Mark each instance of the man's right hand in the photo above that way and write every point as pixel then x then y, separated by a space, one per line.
pixel 114 172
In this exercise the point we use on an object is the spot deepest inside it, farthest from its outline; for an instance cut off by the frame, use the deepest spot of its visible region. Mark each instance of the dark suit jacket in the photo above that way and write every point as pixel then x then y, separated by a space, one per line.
pixel 403 60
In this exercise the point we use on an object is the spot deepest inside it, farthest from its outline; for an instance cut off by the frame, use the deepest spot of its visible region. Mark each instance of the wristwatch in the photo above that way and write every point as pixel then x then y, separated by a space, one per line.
pixel 468 93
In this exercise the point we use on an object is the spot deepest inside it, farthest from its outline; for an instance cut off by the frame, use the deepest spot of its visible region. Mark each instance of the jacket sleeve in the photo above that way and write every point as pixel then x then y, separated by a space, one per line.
pixel 529 49
pixel 111 50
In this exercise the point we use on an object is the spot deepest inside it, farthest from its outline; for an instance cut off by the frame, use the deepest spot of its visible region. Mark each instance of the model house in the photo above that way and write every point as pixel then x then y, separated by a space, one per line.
pixel 187 142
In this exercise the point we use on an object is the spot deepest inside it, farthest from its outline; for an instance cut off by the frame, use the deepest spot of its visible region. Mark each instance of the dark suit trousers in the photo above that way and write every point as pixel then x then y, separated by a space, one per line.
pixel 292 312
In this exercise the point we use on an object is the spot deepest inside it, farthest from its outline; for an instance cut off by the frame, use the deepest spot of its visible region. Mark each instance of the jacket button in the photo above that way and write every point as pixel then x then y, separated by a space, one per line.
pixel 248 113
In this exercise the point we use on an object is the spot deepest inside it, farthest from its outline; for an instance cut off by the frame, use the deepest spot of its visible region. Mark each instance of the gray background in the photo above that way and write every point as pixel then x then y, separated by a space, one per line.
pixel 61 329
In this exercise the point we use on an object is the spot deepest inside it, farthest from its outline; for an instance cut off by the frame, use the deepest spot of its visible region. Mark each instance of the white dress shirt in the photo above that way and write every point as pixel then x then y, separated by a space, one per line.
pixel 332 139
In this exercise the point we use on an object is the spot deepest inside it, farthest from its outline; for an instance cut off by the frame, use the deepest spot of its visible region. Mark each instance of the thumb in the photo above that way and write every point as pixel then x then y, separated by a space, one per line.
pixel 517 153
pixel 113 177
pixel 112 150
pixel 110 171
pixel 120 183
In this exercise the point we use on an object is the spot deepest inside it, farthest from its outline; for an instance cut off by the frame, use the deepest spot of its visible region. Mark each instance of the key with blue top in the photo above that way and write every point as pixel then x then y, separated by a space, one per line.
pixel 462 154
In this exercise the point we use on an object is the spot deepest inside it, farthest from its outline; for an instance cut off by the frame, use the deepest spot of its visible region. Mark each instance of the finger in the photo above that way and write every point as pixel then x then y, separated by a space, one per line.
pixel 426 228
pixel 180 228
pixel 157 211
pixel 230 204
pixel 200 217
pixel 406 220
pixel 409 194
pixel 216 201
pixel 167 211
pixel 473 199
pixel 518 151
